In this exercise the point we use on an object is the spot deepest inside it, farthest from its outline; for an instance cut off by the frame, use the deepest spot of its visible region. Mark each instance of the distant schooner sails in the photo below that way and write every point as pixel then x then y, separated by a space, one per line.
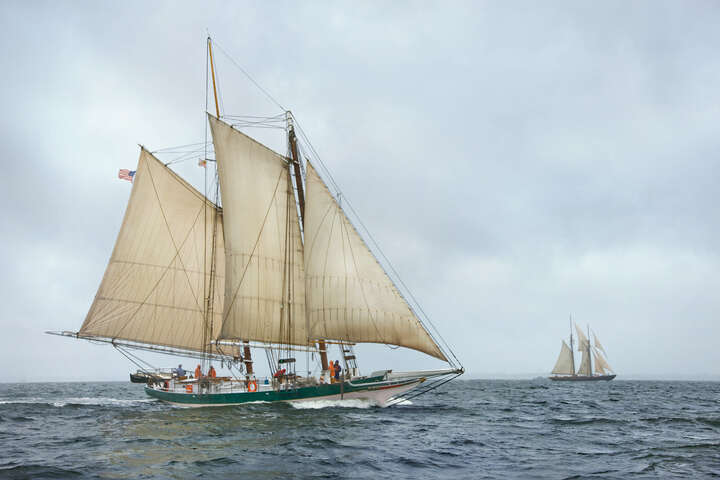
pixel 564 368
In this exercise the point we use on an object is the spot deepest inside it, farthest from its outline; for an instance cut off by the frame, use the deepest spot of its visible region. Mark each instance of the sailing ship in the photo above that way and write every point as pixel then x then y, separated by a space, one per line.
pixel 564 369
pixel 273 263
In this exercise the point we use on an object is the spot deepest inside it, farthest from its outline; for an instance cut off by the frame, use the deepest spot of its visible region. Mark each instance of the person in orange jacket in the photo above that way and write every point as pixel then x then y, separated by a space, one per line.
pixel 331 368
pixel 198 371
pixel 212 373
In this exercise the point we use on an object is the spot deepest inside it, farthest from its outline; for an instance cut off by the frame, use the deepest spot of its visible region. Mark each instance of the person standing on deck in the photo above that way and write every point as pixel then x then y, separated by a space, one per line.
pixel 211 372
pixel 198 371
pixel 338 369
pixel 331 367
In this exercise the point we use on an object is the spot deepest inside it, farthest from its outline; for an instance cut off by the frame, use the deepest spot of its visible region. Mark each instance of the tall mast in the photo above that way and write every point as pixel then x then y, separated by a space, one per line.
pixel 247 356
pixel 588 352
pixel 572 353
pixel 212 70
pixel 292 139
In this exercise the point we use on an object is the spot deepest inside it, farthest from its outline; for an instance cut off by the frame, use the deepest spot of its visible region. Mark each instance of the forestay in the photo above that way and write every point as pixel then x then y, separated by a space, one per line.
pixel 154 286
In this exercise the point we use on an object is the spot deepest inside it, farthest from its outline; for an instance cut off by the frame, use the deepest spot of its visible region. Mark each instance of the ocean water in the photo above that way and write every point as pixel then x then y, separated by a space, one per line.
pixel 468 429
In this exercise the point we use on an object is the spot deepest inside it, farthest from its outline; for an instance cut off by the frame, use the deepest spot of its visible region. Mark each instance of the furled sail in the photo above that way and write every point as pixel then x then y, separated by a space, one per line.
pixel 598 344
pixel 564 364
pixel 349 296
pixel 264 257
pixel 584 368
pixel 154 286
pixel 582 340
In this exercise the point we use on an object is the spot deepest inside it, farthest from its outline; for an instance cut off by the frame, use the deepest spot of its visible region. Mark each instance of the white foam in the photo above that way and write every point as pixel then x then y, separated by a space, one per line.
pixel 318 404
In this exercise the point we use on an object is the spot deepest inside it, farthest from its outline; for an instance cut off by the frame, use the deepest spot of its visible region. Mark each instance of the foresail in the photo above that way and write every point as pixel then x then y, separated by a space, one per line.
pixel 564 364
pixel 264 259
pixel 349 296
pixel 154 286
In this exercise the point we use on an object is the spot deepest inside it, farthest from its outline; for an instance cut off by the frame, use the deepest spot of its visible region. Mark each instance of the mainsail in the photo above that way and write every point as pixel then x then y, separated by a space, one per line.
pixel 564 364
pixel 154 287
pixel 264 258
pixel 349 296
pixel 584 368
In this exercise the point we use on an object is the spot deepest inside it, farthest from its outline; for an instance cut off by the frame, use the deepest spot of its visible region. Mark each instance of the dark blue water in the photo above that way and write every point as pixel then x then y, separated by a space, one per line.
pixel 470 429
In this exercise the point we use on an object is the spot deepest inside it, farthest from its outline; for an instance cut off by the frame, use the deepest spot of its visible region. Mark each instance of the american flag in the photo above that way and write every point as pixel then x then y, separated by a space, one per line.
pixel 125 174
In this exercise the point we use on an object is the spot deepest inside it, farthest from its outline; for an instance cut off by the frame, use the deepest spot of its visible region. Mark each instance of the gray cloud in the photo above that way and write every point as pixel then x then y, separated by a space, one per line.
pixel 516 162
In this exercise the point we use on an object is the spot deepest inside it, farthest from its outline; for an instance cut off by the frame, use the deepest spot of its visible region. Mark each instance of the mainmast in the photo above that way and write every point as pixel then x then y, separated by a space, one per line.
pixel 292 139
pixel 589 352
pixel 247 356
pixel 572 354
pixel 210 287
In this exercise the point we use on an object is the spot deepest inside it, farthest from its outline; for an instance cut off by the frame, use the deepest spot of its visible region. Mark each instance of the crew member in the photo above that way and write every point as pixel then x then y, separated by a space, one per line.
pixel 338 369
pixel 211 372
pixel 198 371
pixel 331 367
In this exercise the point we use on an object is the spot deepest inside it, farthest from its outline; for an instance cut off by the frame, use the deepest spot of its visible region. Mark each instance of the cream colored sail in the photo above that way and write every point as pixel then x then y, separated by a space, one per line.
pixel 564 364
pixel 349 297
pixel 262 241
pixel 598 364
pixel 598 344
pixel 600 360
pixel 584 368
pixel 153 288
pixel 582 340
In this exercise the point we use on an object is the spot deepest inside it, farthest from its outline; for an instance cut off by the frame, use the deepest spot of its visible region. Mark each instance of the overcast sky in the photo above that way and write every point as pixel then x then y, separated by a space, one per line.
pixel 517 161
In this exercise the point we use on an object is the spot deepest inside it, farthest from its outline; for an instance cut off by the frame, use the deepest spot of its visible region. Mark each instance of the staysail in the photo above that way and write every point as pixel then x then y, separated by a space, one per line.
pixel 153 290
pixel 601 363
pixel 564 364
pixel 598 344
pixel 264 256
pixel 349 296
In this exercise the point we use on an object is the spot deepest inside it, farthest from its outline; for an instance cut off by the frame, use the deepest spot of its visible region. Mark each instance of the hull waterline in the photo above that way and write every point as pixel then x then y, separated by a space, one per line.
pixel 582 378
pixel 376 392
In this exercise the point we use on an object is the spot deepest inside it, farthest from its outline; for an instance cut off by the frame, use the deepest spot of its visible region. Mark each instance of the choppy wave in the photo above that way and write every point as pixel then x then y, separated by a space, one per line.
pixel 63 402
pixel 494 429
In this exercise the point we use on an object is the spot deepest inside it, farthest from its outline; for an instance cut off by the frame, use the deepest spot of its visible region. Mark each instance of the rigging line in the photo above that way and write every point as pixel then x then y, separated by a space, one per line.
pixel 177 255
pixel 141 367
pixel 445 345
pixel 252 253
pixel 431 386
pixel 178 146
pixel 232 60
pixel 362 289
pixel 128 355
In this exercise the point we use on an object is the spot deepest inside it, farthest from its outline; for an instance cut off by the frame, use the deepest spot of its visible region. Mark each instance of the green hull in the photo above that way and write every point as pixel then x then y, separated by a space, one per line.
pixel 373 385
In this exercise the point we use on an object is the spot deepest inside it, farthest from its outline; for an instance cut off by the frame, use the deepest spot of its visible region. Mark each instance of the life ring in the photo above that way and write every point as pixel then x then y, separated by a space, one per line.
pixel 252 386
pixel 188 388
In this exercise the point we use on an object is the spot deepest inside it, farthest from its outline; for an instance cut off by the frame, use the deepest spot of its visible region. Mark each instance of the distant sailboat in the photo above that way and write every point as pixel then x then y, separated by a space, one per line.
pixel 564 369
